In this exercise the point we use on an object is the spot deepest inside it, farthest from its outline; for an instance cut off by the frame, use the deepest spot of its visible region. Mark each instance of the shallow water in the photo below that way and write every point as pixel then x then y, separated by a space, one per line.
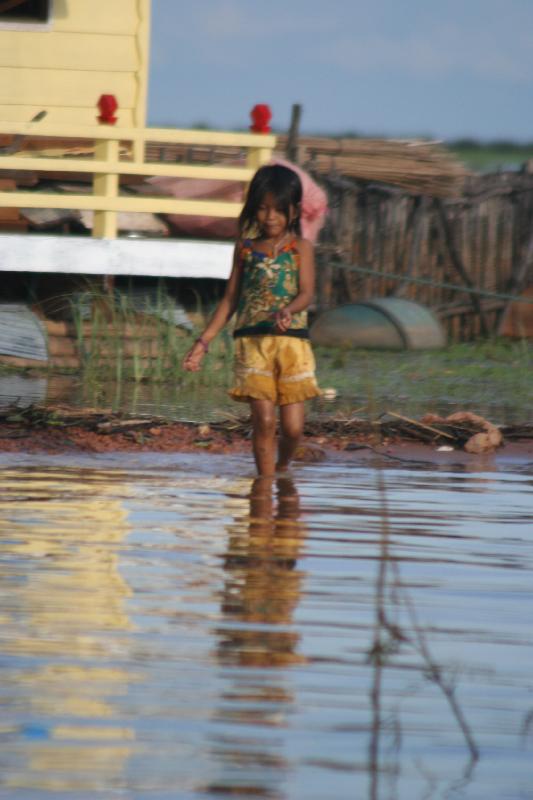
pixel 211 402
pixel 172 629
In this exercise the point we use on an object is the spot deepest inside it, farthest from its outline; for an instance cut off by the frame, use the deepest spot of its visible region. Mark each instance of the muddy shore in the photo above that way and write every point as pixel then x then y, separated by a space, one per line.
pixel 398 439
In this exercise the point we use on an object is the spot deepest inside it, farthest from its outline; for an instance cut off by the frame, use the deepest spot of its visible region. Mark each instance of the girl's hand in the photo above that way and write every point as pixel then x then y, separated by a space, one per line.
pixel 193 360
pixel 282 320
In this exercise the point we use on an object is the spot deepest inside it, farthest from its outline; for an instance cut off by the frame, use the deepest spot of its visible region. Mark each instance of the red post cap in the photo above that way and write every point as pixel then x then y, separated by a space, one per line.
pixel 261 116
pixel 107 105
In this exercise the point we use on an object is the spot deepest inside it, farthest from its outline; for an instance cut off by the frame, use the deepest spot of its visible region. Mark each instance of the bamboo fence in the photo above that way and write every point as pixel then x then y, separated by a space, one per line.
pixel 463 254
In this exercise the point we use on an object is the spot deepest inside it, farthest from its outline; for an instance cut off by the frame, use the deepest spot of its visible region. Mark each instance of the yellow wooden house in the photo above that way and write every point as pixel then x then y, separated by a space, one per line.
pixel 60 56
pixel 57 58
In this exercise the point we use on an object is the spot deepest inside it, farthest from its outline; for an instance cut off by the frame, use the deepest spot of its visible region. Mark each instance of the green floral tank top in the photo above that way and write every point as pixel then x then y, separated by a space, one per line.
pixel 267 285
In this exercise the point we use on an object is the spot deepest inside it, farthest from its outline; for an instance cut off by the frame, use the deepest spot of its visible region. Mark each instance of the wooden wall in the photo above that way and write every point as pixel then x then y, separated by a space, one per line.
pixel 481 240
pixel 88 48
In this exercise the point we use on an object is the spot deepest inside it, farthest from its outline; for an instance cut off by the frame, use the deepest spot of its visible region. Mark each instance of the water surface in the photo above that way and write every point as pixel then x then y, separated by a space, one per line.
pixel 201 402
pixel 171 628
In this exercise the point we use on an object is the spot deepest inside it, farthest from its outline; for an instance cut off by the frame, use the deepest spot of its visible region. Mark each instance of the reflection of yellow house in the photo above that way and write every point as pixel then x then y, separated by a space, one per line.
pixel 59 612
pixel 59 56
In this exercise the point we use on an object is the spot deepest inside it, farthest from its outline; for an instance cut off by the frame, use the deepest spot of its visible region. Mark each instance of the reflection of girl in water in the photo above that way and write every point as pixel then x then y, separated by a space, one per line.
pixel 262 582
pixel 261 590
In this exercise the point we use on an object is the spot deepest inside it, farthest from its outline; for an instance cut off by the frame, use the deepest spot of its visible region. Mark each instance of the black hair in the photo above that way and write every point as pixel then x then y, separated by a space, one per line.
pixel 286 188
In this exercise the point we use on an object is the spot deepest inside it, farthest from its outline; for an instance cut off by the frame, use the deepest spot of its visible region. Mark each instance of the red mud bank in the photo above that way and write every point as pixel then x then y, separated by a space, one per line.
pixel 172 437
pixel 462 437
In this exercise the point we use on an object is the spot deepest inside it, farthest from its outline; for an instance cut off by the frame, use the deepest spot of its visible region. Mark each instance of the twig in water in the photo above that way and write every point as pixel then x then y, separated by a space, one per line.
pixel 418 424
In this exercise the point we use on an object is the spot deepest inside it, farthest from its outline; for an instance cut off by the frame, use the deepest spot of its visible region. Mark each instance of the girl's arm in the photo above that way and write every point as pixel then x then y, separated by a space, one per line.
pixel 223 313
pixel 306 287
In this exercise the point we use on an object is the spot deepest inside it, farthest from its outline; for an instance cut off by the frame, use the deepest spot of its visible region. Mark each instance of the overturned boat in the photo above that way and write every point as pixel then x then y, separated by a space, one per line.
pixel 383 323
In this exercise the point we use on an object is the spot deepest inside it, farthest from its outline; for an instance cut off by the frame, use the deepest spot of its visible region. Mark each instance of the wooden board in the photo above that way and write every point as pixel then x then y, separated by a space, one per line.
pixel 117 16
pixel 61 115
pixel 69 61
pixel 77 51
pixel 64 88
pixel 517 321
pixel 77 255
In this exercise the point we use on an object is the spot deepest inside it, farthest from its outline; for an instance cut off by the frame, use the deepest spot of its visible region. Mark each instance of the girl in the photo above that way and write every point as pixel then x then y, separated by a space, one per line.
pixel 270 286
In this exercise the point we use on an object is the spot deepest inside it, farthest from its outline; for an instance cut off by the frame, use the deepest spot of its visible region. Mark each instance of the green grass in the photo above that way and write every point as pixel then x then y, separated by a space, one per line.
pixel 491 377
pixel 492 156
pixel 102 348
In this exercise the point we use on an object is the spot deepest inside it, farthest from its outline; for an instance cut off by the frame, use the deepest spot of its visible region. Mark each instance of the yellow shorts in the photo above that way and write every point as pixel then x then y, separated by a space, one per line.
pixel 277 368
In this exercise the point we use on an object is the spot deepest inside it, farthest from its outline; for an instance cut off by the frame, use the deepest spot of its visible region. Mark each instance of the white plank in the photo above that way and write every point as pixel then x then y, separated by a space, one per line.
pixel 172 258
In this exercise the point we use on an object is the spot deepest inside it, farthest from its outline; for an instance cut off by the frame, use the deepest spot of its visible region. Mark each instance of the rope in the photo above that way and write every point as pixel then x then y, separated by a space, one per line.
pixel 430 282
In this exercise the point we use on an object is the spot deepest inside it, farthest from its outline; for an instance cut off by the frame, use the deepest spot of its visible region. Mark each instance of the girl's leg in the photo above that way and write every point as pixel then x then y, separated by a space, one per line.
pixel 264 435
pixel 291 417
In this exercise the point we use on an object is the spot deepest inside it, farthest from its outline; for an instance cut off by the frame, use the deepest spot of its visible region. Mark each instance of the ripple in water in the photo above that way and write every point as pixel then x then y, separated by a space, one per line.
pixel 172 629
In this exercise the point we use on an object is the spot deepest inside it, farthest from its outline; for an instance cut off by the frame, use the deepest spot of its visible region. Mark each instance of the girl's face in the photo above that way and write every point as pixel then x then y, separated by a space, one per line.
pixel 271 220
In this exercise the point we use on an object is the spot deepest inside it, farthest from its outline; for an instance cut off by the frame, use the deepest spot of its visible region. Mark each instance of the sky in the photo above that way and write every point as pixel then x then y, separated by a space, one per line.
pixel 446 69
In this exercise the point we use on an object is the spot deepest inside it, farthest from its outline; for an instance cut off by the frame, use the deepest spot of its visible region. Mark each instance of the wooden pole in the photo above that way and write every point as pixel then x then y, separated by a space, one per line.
pixel 520 277
pixel 458 264
pixel 106 185
pixel 416 224
pixel 291 150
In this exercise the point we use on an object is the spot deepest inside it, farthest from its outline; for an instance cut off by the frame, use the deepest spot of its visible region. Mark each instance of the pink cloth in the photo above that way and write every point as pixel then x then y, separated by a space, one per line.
pixel 314 204
pixel 200 189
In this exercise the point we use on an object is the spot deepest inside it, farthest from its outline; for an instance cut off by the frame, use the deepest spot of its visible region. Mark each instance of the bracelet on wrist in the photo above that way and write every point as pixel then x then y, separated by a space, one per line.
pixel 203 342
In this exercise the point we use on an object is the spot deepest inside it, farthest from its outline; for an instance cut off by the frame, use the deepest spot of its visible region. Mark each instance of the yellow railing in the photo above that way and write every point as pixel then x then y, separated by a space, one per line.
pixel 107 165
